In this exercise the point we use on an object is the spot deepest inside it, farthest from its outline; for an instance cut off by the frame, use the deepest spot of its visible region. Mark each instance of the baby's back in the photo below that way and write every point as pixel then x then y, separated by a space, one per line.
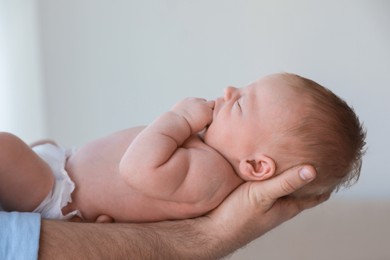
pixel 101 190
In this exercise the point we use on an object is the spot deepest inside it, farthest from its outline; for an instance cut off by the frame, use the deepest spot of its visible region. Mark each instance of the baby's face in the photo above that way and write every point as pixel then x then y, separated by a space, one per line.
pixel 252 116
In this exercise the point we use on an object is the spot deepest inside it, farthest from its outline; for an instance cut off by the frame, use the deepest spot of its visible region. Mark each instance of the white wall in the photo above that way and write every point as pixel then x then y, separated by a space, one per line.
pixel 21 91
pixel 114 64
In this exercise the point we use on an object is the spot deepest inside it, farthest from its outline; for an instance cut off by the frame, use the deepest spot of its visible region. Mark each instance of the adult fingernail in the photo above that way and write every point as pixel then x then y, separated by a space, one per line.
pixel 306 174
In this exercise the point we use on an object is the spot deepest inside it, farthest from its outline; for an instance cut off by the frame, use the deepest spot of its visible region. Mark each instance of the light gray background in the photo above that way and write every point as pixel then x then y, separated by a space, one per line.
pixel 109 65
pixel 76 70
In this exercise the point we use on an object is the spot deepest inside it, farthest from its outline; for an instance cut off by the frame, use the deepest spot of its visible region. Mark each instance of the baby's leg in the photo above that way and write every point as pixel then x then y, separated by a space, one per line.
pixel 25 179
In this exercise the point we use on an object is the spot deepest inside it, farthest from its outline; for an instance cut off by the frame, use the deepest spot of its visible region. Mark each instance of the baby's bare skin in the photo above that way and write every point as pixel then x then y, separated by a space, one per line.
pixel 166 170
pixel 101 190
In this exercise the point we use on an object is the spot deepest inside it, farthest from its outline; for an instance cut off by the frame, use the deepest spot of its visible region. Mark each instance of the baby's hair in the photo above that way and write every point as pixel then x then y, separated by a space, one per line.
pixel 331 135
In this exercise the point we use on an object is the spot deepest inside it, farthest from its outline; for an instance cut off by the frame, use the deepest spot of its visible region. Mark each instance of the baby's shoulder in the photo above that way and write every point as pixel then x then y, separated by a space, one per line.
pixel 210 177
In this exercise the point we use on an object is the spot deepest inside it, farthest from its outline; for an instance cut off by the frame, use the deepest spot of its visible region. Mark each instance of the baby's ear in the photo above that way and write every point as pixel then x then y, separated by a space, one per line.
pixel 260 167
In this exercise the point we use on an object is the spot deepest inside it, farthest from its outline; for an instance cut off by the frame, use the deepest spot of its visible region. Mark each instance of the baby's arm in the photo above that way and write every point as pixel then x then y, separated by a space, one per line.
pixel 155 162
pixel 25 179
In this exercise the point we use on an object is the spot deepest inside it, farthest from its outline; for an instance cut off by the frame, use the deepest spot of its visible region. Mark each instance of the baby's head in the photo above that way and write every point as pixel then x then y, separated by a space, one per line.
pixel 284 120
pixel 327 135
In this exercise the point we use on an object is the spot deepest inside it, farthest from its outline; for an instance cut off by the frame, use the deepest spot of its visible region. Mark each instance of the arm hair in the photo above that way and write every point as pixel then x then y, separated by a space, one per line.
pixel 164 240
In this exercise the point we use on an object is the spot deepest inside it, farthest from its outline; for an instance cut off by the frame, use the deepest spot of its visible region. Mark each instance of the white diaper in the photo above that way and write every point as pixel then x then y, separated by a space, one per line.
pixel 60 195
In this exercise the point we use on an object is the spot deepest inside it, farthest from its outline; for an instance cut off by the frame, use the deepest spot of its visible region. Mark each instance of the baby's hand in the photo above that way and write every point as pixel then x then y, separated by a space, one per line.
pixel 198 112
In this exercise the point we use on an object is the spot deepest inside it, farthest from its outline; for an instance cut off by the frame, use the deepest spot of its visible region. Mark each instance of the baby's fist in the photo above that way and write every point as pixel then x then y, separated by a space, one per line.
pixel 198 112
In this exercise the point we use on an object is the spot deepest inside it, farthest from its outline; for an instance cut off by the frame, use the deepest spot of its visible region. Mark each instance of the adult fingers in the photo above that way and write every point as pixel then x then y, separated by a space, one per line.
pixel 288 207
pixel 311 202
pixel 285 183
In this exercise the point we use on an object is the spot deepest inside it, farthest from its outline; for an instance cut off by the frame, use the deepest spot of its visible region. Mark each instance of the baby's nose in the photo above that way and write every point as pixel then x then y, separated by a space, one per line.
pixel 229 92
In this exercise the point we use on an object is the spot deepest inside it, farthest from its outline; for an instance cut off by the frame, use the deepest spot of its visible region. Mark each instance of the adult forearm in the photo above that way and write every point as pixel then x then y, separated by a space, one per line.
pixel 165 240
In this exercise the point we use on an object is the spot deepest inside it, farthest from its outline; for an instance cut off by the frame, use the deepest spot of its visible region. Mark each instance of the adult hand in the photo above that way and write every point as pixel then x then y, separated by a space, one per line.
pixel 254 208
